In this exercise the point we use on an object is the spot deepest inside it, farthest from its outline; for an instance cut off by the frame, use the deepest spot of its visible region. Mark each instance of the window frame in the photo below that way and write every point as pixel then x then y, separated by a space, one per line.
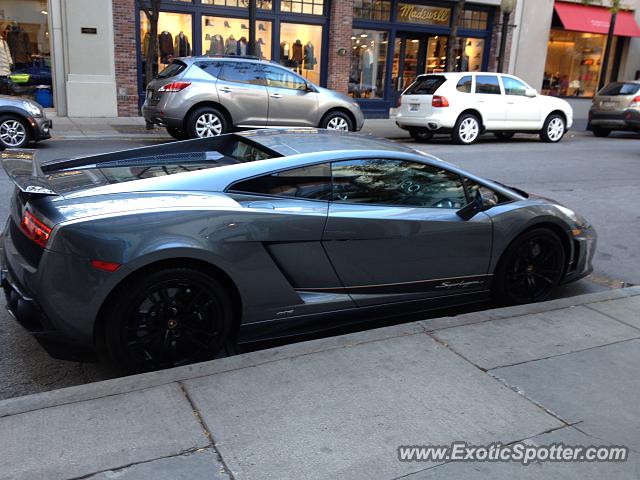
pixel 471 88
pixel 510 77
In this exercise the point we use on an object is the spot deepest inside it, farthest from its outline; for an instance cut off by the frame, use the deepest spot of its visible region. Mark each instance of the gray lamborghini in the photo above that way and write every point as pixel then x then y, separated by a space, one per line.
pixel 162 256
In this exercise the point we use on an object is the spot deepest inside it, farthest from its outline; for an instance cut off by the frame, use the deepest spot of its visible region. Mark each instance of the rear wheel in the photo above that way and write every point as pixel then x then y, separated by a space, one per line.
pixel 420 134
pixel 601 132
pixel 177 133
pixel 466 130
pixel 553 129
pixel 168 318
pixel 504 135
pixel 530 269
pixel 206 122
pixel 14 132
pixel 337 121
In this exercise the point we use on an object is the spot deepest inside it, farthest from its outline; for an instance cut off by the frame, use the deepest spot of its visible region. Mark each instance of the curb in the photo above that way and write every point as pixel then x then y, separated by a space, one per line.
pixel 117 386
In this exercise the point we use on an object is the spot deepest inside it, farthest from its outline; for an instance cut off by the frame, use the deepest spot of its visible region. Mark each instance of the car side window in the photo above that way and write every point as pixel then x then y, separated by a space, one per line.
pixel 464 84
pixel 487 84
pixel 241 72
pixel 513 86
pixel 396 182
pixel 311 182
pixel 280 78
pixel 212 68
pixel 473 188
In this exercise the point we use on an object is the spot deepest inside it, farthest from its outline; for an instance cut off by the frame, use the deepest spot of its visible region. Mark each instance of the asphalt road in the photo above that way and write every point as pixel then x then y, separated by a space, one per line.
pixel 598 177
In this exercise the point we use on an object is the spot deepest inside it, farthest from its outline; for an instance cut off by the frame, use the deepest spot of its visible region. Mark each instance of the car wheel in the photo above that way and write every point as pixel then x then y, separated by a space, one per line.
pixel 165 319
pixel 553 129
pixel 206 122
pixel 504 135
pixel 337 121
pixel 601 132
pixel 420 134
pixel 530 269
pixel 466 130
pixel 14 132
pixel 177 133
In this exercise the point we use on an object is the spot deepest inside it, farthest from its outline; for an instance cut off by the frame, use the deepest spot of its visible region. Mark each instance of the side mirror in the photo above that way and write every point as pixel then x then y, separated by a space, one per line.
pixel 477 205
pixel 308 88
pixel 530 92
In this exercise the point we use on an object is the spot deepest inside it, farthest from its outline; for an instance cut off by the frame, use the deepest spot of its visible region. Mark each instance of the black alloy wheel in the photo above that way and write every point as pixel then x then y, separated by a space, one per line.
pixel 171 318
pixel 531 268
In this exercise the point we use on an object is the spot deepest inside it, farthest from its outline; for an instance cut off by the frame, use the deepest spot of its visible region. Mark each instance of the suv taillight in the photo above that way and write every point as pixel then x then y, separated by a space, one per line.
pixel 635 102
pixel 174 86
pixel 35 229
pixel 439 101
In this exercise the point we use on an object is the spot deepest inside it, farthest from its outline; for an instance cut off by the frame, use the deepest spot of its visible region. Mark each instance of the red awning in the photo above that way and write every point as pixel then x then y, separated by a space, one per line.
pixel 584 18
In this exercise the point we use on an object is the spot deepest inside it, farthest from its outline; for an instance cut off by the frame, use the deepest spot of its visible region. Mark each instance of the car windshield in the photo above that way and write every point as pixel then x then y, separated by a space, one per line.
pixel 619 88
pixel 426 85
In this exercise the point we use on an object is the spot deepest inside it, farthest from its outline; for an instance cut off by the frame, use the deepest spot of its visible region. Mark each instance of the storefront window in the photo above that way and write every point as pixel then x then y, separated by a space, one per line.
pixel 261 4
pixel 573 63
pixel 25 55
pixel 174 36
pixel 372 9
pixel 301 49
pixel 309 7
pixel 436 54
pixel 469 53
pixel 368 61
pixel 230 36
pixel 474 20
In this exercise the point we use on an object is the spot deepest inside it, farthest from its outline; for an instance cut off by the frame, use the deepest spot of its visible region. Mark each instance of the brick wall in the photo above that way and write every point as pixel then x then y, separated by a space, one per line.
pixel 124 30
pixel 340 28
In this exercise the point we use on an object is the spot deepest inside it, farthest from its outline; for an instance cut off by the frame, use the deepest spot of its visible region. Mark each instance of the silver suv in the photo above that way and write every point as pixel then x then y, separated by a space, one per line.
pixel 613 106
pixel 197 97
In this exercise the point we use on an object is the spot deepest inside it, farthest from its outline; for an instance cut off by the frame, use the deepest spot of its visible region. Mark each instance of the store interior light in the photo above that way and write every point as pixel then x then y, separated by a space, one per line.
pixel 44 12
pixel 353 38
pixel 364 35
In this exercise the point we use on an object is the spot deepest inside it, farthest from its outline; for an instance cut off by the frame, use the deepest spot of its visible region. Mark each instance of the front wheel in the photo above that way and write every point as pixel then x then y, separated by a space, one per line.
pixel 530 268
pixel 165 319
pixel 466 130
pixel 337 121
pixel 206 122
pixel 14 132
pixel 553 129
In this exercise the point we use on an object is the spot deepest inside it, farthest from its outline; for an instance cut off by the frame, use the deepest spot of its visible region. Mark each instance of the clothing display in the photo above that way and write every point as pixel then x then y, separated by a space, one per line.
pixel 5 58
pixel 145 44
pixel 19 45
pixel 242 46
pixel 367 68
pixel 231 46
pixel 182 47
pixel 309 58
pixel 165 44
pixel 284 53
pixel 259 45
pixel 216 47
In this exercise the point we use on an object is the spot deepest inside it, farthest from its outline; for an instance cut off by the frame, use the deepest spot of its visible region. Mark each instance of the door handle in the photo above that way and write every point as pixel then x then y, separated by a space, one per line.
pixel 225 89
pixel 264 205
pixel 276 95
pixel 510 103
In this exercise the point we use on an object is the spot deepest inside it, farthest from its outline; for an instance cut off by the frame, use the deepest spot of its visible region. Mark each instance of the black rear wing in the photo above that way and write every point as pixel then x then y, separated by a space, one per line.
pixel 25 171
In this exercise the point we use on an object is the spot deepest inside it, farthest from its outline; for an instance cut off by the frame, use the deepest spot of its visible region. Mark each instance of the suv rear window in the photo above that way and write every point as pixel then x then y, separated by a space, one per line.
pixel 619 88
pixel 426 85
pixel 173 69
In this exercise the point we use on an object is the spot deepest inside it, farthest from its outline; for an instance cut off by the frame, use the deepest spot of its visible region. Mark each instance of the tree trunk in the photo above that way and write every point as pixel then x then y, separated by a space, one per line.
pixel 607 52
pixel 153 13
pixel 453 36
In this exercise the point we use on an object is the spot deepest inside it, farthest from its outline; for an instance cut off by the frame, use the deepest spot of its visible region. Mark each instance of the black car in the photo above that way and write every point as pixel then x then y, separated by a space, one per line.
pixel 22 121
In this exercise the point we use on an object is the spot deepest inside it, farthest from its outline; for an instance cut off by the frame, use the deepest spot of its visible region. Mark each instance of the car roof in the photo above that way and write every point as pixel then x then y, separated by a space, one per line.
pixel 295 141
pixel 227 58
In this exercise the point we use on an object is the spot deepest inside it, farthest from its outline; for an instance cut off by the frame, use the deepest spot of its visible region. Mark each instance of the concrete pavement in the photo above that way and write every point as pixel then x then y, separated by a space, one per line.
pixel 560 371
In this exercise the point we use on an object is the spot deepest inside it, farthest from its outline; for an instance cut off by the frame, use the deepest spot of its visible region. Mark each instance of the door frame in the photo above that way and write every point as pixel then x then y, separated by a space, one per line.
pixel 421 64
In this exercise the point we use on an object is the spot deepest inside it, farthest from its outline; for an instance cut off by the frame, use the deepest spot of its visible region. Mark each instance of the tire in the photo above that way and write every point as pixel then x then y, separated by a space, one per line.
pixel 177 134
pixel 14 132
pixel 145 329
pixel 466 130
pixel 532 279
pixel 206 122
pixel 420 134
pixel 553 129
pixel 337 121
pixel 601 132
pixel 504 135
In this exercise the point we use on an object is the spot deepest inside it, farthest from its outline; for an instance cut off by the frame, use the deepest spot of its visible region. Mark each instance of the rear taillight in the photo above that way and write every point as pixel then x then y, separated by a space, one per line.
pixel 439 101
pixel 635 102
pixel 399 102
pixel 174 86
pixel 35 229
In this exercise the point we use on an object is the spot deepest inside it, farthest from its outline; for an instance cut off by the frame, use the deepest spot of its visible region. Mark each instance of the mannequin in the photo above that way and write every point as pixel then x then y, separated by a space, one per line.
pixel 309 58
pixel 297 56
pixel 182 46
pixel 284 53
pixel 367 68
pixel 231 46
pixel 5 65
pixel 242 47
pixel 165 43
pixel 259 45
pixel 216 47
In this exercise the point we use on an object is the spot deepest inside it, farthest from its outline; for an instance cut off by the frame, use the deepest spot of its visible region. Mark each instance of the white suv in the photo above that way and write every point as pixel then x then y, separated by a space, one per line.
pixel 468 104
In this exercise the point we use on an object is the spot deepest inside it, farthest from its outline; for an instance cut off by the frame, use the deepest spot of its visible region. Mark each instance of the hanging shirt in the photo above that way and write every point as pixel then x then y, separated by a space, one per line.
pixel 5 58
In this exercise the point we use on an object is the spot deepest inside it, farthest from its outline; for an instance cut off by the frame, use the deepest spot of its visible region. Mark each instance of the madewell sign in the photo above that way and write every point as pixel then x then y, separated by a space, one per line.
pixel 423 14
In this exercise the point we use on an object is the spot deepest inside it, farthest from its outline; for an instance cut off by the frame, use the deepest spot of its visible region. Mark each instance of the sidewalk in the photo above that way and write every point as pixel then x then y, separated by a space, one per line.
pixel 133 128
pixel 561 371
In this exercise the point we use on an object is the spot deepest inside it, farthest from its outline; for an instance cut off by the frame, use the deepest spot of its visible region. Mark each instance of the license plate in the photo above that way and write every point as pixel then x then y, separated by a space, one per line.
pixel 414 107
pixel 609 104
